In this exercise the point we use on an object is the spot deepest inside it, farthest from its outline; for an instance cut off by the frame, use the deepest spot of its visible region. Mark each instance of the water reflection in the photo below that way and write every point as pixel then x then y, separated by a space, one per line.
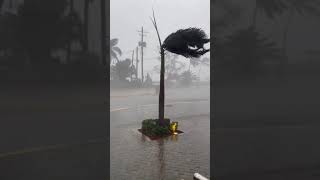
pixel 161 159
pixel 160 143
pixel 174 137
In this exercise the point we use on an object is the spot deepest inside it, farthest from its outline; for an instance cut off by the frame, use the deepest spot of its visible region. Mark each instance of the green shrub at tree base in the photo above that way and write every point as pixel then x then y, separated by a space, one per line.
pixel 151 127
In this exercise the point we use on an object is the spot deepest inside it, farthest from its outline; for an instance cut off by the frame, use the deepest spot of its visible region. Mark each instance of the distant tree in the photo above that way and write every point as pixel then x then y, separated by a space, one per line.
pixel 186 78
pixel 114 50
pixel 173 66
pixel 194 62
pixel 186 42
pixel 122 70
pixel 203 62
pixel 148 81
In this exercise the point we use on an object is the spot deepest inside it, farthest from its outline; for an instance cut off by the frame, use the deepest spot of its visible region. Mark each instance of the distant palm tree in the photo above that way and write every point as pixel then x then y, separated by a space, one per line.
pixel 186 42
pixel 203 62
pixel 114 50
pixel 172 66
pixel 194 62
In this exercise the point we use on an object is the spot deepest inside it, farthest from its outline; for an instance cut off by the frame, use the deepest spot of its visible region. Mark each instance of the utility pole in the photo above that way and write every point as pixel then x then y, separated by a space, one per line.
pixel 137 53
pixel 131 65
pixel 142 44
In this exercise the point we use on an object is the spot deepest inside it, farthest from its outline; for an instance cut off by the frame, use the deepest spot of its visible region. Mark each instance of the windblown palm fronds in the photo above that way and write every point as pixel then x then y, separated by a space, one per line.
pixel 187 42
pixel 114 50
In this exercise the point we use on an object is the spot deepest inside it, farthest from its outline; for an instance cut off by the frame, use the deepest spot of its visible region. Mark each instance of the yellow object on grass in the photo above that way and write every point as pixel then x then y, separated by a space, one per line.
pixel 174 126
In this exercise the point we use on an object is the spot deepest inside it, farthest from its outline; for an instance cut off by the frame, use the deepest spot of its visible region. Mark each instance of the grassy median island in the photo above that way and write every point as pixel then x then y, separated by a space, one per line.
pixel 152 129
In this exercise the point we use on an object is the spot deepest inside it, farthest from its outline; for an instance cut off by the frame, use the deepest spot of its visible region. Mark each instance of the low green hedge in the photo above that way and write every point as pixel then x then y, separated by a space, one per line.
pixel 151 127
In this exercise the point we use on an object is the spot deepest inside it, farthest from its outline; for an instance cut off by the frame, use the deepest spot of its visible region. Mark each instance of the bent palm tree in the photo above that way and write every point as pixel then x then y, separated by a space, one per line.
pixel 114 50
pixel 186 42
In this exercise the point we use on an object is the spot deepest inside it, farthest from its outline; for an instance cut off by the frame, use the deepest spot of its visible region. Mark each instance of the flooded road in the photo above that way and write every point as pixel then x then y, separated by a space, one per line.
pixel 135 156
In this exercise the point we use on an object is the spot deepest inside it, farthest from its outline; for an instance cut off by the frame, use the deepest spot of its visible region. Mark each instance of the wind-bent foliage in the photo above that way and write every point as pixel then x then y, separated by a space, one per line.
pixel 114 50
pixel 122 70
pixel 186 42
pixel 186 78
pixel 172 66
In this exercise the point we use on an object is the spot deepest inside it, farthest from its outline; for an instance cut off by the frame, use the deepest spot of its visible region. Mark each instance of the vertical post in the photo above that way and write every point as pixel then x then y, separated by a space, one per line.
pixel 161 93
pixel 137 53
pixel 131 65
pixel 142 54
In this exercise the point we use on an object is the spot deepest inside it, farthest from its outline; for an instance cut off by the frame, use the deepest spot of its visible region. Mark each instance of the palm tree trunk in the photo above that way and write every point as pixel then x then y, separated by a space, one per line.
pixel 85 25
pixel 255 14
pixel 161 93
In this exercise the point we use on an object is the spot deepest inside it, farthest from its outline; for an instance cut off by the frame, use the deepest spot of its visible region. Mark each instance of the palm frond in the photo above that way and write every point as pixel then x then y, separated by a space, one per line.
pixel 118 50
pixel 187 42
pixel 113 42
pixel 114 56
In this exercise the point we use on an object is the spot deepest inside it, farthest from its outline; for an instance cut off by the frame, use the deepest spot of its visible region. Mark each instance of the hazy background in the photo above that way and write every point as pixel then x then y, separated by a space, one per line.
pixel 127 18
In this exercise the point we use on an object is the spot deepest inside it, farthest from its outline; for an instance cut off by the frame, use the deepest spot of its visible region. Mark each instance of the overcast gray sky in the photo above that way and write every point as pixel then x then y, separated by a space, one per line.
pixel 128 16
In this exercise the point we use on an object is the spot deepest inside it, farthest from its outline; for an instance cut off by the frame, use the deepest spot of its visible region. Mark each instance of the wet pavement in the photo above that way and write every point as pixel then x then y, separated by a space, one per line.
pixel 135 156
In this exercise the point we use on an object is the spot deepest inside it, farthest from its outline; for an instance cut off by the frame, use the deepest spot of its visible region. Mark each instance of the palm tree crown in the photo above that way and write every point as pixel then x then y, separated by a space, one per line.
pixel 114 50
pixel 187 42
